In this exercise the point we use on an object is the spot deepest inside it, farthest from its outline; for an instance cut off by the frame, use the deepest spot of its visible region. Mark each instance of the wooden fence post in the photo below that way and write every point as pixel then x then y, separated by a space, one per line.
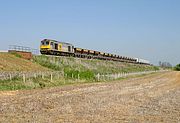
pixel 35 75
pixel 72 75
pixel 98 76
pixel 10 77
pixel 42 75
pixel 51 77
pixel 24 78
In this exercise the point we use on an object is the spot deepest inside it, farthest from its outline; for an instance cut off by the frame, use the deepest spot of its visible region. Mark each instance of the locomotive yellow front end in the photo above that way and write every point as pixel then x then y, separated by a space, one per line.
pixel 53 47
pixel 45 46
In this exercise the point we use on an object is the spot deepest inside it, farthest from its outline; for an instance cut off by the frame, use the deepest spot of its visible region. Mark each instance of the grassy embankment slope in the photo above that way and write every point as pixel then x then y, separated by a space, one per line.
pixel 87 69
pixel 77 65
pixel 84 68
pixel 14 63
pixel 10 63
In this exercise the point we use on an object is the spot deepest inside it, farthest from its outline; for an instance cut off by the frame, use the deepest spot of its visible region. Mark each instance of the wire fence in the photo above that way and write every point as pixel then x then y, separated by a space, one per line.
pixel 23 76
pixel 106 77
pixel 26 75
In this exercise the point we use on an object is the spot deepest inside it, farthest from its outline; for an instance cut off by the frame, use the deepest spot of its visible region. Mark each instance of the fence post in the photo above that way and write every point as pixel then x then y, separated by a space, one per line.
pixel 51 77
pixel 35 75
pixel 24 78
pixel 42 75
pixel 72 75
pixel 116 76
pixel 98 76
pixel 10 77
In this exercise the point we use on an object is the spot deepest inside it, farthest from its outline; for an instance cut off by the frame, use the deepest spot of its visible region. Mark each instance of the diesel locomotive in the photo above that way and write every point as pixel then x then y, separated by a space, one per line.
pixel 53 47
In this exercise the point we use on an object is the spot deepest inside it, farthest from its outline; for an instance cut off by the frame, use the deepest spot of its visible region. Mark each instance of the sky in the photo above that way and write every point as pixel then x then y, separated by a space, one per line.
pixel 147 29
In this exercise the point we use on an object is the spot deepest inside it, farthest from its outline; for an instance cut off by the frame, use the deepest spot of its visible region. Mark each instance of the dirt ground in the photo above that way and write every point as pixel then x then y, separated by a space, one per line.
pixel 151 98
pixel 10 63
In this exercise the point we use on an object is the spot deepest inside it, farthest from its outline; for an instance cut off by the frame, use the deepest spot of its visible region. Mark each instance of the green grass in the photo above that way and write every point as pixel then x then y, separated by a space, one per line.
pixel 15 84
pixel 74 65
pixel 75 71
pixel 39 82
pixel 88 75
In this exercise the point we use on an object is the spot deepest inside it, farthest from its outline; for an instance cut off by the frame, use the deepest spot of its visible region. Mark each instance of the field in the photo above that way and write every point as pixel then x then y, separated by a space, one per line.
pixel 150 98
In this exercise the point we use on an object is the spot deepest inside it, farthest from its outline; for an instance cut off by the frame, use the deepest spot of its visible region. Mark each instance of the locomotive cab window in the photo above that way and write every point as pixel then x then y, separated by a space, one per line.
pixel 56 46
pixel 45 42
pixel 42 43
pixel 69 48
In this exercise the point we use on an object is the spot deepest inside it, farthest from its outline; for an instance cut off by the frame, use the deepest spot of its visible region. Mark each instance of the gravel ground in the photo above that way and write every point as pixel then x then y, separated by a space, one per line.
pixel 152 98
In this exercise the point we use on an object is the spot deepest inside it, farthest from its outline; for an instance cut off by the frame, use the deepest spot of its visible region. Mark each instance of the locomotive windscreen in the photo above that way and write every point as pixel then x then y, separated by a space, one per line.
pixel 45 42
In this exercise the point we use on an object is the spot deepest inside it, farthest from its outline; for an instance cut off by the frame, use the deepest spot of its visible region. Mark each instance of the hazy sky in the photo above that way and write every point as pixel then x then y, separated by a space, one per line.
pixel 148 29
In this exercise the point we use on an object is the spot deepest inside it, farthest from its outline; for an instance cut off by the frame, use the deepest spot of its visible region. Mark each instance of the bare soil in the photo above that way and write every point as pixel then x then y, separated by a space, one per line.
pixel 9 62
pixel 151 98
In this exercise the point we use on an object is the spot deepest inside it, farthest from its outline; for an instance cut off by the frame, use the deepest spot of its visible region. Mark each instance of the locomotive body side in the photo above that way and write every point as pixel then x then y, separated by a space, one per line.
pixel 56 48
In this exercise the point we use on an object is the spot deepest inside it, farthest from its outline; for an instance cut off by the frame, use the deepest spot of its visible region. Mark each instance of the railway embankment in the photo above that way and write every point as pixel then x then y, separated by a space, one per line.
pixel 12 62
pixel 94 66
pixel 49 71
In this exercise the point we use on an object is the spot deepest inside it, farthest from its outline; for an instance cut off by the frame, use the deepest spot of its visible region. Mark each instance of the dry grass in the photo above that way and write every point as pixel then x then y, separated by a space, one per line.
pixel 9 62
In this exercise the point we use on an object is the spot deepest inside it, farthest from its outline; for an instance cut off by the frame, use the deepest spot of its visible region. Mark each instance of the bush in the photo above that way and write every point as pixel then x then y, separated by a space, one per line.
pixel 177 67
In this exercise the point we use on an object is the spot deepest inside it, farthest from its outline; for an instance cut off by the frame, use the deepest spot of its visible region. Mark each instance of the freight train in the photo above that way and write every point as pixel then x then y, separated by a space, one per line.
pixel 53 47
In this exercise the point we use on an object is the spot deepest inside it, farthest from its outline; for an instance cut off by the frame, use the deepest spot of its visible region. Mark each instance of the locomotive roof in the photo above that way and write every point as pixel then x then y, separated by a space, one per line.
pixel 56 41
